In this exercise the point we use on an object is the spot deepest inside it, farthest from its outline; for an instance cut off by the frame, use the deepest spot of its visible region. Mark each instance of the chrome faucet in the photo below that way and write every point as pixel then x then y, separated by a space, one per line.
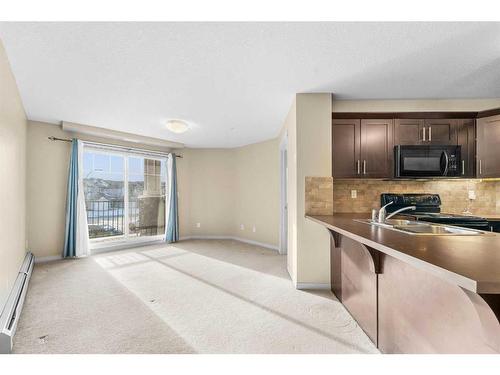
pixel 382 213
pixel 401 210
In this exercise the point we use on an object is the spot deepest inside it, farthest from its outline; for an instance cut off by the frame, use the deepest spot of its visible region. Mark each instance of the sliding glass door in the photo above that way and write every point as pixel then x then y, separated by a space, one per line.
pixel 124 195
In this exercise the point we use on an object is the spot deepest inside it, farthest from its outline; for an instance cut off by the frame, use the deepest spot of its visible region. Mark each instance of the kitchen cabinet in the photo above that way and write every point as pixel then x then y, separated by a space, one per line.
pixel 467 140
pixel 362 148
pixel 408 131
pixel 377 144
pixel 426 131
pixel 345 148
pixel 488 150
pixel 440 131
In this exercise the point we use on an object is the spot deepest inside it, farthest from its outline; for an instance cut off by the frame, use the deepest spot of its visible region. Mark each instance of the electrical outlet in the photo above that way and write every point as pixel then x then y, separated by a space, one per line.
pixel 354 194
pixel 198 225
pixel 472 194
pixel 254 229
pixel 242 227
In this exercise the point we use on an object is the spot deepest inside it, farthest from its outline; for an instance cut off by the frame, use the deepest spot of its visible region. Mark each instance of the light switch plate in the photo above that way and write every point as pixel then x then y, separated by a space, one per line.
pixel 472 194
pixel 198 225
pixel 354 194
pixel 242 227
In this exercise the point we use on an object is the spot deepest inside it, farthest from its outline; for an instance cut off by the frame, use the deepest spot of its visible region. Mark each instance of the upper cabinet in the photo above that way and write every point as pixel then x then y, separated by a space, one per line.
pixel 363 143
pixel 440 131
pixel 426 131
pixel 488 150
pixel 345 148
pixel 377 144
pixel 409 132
pixel 466 131
pixel 362 148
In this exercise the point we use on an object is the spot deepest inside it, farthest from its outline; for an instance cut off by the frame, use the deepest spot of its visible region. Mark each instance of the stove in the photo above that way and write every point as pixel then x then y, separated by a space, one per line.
pixel 428 208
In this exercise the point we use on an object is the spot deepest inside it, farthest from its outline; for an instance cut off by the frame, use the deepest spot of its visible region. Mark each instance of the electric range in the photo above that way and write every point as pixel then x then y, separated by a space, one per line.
pixel 428 208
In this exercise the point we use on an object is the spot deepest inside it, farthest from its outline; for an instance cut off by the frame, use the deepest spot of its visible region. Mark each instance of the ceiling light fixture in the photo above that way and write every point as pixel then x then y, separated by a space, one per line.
pixel 177 126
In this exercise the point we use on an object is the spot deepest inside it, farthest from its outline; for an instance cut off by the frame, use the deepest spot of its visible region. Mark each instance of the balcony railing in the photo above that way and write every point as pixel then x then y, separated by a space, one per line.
pixel 105 218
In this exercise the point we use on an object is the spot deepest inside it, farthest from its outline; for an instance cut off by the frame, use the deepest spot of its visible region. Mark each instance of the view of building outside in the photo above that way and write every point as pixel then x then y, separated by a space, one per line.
pixel 105 191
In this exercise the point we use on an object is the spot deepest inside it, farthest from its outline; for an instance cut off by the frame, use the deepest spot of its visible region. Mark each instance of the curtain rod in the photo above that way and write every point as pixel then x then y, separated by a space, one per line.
pixel 52 138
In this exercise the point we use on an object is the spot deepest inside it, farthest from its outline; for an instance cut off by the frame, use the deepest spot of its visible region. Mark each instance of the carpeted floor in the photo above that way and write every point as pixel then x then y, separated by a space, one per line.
pixel 191 297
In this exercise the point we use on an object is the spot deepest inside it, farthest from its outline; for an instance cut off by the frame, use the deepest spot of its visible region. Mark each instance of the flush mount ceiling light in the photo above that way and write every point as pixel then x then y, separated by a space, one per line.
pixel 177 126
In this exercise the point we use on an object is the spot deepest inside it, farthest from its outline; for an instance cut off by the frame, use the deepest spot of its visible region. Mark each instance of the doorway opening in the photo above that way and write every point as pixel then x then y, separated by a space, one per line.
pixel 283 243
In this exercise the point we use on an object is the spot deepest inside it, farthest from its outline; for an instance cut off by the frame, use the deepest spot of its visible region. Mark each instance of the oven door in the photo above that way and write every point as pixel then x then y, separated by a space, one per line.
pixel 427 161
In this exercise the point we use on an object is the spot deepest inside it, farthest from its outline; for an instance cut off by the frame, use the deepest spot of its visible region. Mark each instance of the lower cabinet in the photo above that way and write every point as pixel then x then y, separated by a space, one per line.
pixel 403 309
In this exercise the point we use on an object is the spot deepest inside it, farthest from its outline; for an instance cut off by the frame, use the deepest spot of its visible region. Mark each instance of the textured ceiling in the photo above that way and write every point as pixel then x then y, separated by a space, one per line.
pixel 234 82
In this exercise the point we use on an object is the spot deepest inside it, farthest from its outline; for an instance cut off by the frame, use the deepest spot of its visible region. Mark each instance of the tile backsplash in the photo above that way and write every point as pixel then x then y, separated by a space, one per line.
pixel 319 196
pixel 453 193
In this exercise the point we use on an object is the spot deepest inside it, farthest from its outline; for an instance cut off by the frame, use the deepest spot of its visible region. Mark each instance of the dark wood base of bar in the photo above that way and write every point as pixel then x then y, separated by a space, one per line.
pixel 406 310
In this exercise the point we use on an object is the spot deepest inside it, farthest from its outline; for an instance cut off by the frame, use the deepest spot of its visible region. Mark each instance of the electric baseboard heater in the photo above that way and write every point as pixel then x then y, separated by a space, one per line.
pixel 12 310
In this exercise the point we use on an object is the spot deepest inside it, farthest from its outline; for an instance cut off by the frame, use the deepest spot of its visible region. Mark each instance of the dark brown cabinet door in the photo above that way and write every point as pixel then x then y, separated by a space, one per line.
pixel 345 148
pixel 467 141
pixel 488 147
pixel 441 131
pixel 408 131
pixel 376 148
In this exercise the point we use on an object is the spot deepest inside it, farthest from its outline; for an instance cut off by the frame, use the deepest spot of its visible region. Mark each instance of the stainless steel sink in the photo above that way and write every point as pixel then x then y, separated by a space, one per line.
pixel 436 229
pixel 421 228
pixel 389 222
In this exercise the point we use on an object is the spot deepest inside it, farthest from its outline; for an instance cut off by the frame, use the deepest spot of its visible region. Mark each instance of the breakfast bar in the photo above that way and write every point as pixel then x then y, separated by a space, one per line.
pixel 414 293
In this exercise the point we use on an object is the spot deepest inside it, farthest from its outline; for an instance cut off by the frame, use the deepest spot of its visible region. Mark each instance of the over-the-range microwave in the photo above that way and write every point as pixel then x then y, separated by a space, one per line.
pixel 427 161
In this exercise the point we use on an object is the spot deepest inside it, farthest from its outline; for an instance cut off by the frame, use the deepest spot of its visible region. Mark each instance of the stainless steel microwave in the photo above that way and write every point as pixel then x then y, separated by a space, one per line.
pixel 427 161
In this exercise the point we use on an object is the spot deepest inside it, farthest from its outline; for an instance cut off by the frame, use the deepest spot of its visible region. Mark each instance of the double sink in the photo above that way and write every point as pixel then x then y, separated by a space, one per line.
pixel 423 228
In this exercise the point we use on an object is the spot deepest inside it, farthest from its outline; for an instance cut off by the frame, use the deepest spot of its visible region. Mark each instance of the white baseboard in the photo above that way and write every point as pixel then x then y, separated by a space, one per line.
pixel 131 245
pixel 47 259
pixel 313 286
pixel 244 240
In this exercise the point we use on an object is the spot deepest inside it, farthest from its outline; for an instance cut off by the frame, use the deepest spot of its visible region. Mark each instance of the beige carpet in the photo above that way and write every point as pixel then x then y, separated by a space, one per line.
pixel 192 297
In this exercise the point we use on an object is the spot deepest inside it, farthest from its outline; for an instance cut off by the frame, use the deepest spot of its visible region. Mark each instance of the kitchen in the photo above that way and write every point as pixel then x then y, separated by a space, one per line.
pixel 425 280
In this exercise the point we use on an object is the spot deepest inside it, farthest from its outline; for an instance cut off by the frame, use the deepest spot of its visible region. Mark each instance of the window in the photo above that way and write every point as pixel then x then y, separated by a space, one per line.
pixel 124 195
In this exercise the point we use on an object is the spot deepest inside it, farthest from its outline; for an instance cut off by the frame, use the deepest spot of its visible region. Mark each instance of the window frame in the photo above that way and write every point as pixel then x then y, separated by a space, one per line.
pixel 125 239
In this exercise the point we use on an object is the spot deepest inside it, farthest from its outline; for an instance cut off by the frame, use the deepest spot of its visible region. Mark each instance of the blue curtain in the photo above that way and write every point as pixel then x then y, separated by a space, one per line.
pixel 71 203
pixel 172 232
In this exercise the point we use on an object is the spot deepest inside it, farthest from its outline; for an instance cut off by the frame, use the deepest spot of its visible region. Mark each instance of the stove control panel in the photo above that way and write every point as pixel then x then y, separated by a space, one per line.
pixel 426 202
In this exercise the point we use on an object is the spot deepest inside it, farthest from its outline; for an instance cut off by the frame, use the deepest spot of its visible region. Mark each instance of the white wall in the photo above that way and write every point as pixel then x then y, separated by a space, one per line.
pixel 415 105
pixel 13 175
pixel 314 118
pixel 257 192
pixel 289 130
pixel 218 188
pixel 206 192
pixel 308 125
pixel 47 173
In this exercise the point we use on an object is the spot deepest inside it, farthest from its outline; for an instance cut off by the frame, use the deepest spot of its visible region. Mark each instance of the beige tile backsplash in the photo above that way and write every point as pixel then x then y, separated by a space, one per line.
pixel 319 195
pixel 454 194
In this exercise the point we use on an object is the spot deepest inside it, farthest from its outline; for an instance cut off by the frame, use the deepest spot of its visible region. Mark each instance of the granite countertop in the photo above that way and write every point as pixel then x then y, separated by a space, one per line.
pixel 471 262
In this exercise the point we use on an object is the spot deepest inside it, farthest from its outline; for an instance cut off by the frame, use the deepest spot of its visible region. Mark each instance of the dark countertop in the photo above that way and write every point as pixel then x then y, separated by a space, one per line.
pixel 471 262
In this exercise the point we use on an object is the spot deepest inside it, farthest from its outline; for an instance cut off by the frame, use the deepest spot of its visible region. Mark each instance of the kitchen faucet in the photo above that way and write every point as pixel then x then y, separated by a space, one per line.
pixel 382 212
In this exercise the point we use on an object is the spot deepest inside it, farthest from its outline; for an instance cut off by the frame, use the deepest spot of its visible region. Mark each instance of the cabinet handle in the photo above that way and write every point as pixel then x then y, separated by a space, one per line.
pixel 364 166
pixel 358 166
pixel 423 134
pixel 480 166
pixel 430 134
pixel 463 167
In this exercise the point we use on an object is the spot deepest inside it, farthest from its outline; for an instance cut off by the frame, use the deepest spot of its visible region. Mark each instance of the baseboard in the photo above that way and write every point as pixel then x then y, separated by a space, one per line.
pixel 313 286
pixel 47 259
pixel 244 240
pixel 126 246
